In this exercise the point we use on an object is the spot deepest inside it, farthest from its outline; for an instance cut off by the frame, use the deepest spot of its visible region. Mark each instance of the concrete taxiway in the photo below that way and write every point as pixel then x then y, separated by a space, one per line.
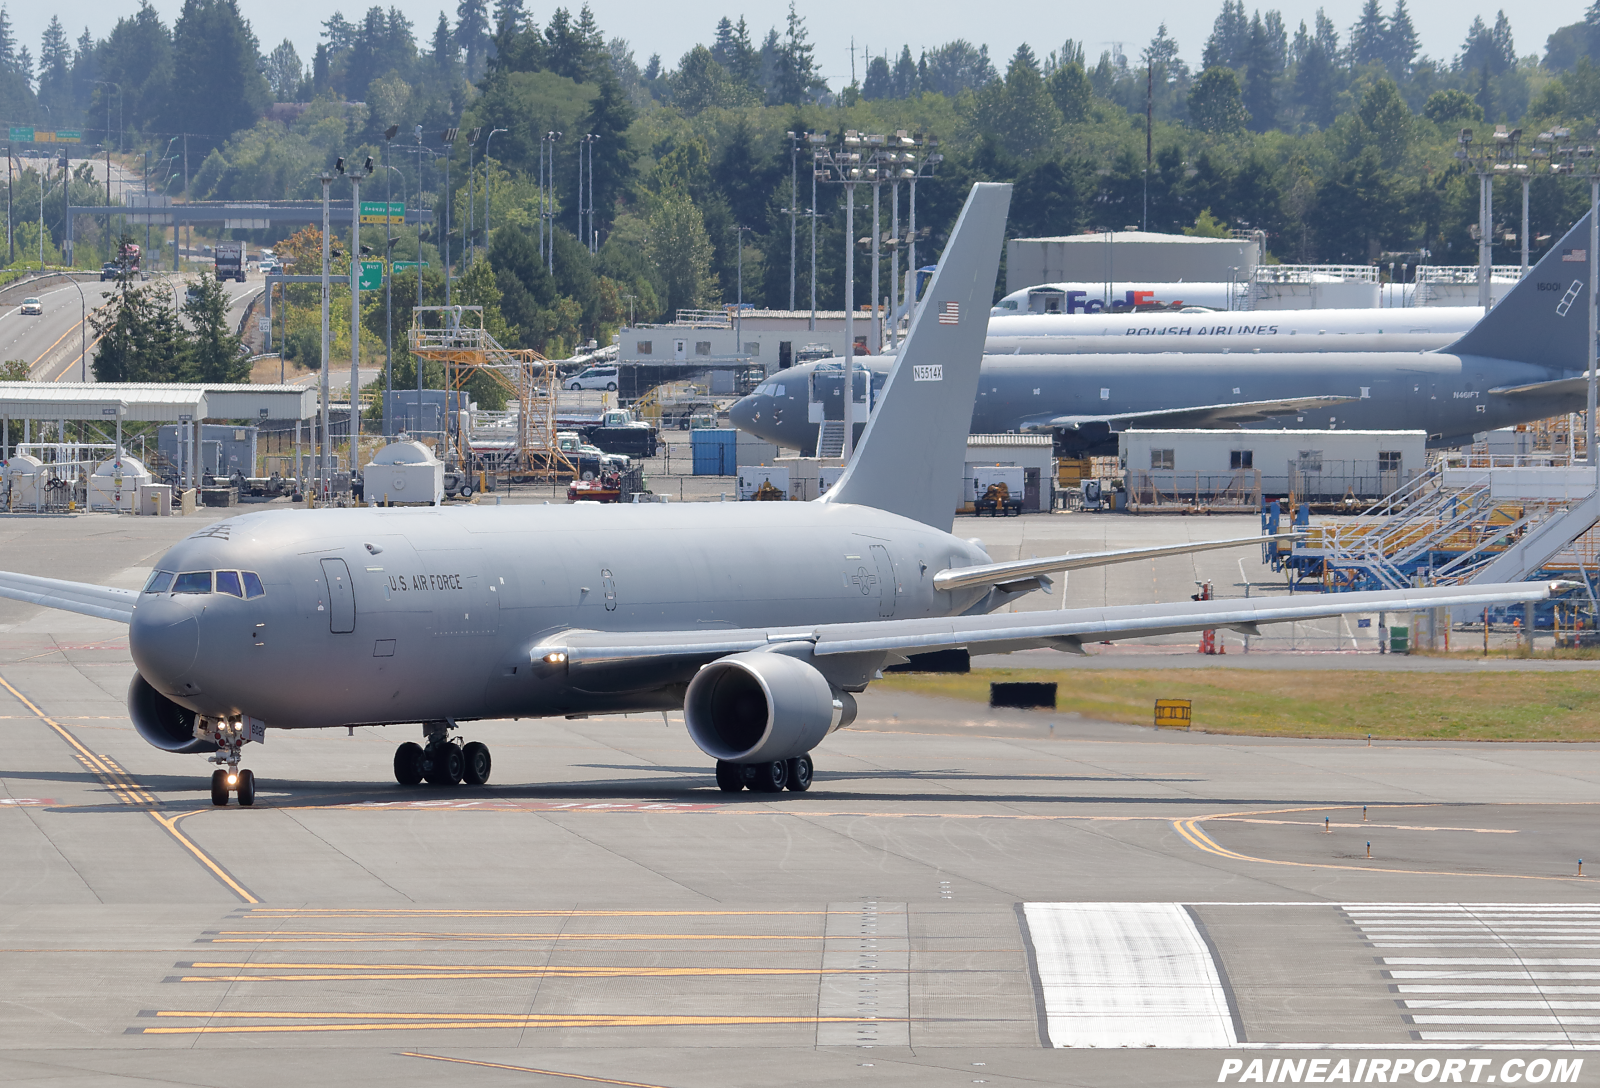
pixel 964 896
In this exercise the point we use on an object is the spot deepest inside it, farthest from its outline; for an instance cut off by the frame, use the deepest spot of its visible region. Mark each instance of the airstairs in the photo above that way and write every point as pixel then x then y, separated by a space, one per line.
pixel 1468 519
pixel 830 438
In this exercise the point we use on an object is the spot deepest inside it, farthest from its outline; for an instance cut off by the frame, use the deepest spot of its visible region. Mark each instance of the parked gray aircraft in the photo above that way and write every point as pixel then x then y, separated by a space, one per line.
pixel 759 620
pixel 1524 361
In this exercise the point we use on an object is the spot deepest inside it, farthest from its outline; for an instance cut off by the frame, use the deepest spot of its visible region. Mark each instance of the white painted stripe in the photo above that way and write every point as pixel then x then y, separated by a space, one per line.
pixel 1565 975
pixel 1530 989
pixel 1467 924
pixel 1511 1037
pixel 1586 1006
pixel 1488 961
pixel 1127 975
pixel 1509 942
pixel 1586 1021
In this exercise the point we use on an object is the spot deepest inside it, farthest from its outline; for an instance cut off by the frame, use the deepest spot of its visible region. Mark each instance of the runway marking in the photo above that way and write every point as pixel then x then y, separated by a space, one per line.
pixel 454 805
pixel 414 1021
pixel 26 802
pixel 387 912
pixel 528 1069
pixel 123 786
pixel 318 972
pixel 238 936
pixel 1385 827
pixel 1189 828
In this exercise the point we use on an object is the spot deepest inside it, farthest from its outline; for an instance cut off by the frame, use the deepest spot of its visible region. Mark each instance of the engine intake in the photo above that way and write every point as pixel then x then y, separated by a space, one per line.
pixel 758 706
pixel 163 722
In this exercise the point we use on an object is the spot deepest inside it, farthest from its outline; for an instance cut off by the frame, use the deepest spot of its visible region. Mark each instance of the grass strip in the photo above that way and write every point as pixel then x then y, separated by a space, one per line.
pixel 1394 706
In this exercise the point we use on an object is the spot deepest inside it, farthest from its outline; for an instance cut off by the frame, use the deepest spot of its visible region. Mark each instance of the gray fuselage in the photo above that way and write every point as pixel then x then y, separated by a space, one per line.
pixel 450 604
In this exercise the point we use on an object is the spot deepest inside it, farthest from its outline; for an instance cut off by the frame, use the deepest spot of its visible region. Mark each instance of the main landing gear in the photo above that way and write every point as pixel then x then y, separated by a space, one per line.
pixel 773 776
pixel 442 761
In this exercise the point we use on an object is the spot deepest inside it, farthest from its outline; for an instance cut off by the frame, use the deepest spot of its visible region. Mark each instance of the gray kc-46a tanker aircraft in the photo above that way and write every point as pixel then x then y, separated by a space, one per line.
pixel 758 619
pixel 1524 360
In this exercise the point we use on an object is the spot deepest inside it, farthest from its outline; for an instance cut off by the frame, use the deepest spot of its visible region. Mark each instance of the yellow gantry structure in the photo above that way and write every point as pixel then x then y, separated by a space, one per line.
pixel 454 336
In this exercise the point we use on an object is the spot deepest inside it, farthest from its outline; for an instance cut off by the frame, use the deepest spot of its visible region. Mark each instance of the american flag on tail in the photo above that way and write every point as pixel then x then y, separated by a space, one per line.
pixel 950 313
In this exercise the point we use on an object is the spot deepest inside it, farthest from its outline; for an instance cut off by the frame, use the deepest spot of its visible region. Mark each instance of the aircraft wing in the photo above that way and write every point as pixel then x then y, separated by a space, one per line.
pixel 1561 387
pixel 1204 415
pixel 1013 575
pixel 1004 632
pixel 89 600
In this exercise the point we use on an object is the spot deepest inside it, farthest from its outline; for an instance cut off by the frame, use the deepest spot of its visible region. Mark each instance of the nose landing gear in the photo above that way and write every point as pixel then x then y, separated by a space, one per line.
pixel 442 761
pixel 229 737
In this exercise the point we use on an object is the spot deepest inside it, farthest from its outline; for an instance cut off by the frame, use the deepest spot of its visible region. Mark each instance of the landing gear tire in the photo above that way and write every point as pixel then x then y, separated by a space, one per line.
pixel 730 776
pixel 475 763
pixel 435 759
pixel 800 773
pixel 770 777
pixel 219 787
pixel 408 764
pixel 247 787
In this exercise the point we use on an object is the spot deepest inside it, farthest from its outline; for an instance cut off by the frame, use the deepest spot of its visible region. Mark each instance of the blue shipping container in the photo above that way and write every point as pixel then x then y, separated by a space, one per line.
pixel 716 451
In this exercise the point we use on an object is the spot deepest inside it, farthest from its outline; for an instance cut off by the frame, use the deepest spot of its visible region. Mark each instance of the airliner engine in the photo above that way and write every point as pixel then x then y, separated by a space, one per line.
pixel 163 722
pixel 757 706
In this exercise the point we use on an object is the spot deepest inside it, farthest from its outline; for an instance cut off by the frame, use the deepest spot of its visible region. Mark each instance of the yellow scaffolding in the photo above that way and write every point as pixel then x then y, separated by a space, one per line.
pixel 449 336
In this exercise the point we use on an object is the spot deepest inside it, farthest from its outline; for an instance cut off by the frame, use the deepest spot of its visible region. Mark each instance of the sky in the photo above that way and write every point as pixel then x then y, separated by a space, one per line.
pixel 652 27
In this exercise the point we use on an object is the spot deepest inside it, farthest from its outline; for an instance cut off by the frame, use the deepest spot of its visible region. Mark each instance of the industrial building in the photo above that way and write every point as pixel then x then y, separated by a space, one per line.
pixel 1130 256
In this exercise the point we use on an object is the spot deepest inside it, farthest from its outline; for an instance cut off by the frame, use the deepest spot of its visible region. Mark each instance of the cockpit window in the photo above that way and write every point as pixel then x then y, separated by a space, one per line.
pixel 159 581
pixel 228 582
pixel 252 585
pixel 195 581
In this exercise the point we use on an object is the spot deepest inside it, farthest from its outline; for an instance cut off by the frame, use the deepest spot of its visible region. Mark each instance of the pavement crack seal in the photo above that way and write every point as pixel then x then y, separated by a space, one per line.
pixel 127 790
pixel 1189 828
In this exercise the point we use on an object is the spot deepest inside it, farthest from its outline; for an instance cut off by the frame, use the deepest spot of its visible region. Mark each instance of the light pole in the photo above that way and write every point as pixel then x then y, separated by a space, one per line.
pixel 1592 172
pixel 448 138
pixel 930 162
pixel 388 277
pixel 794 196
pixel 355 307
pixel 843 166
pixel 818 141
pixel 1482 163
pixel 488 184
pixel 322 448
pixel 738 311
pixel 468 242
pixel 547 185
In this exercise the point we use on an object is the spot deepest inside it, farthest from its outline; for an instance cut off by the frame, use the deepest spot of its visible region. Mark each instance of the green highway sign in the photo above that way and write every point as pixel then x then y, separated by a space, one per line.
pixel 401 266
pixel 381 212
pixel 22 134
pixel 371 275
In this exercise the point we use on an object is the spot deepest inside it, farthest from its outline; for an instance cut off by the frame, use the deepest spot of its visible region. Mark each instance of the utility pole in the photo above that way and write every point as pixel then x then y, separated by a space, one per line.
pixel 189 233
pixel 322 449
pixel 794 195
pixel 594 234
pixel 388 283
pixel 355 311
pixel 448 138
pixel 472 213
pixel 1149 128
pixel 488 185
pixel 551 257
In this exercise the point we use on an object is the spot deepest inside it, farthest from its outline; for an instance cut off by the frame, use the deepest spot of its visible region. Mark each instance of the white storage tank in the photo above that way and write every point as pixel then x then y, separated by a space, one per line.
pixel 23 479
pixel 404 474
pixel 115 485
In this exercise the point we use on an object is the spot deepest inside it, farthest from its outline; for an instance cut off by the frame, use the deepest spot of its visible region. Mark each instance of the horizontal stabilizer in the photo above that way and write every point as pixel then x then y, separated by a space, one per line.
pixel 1560 387
pixel 997 574
pixel 1206 415
pixel 81 597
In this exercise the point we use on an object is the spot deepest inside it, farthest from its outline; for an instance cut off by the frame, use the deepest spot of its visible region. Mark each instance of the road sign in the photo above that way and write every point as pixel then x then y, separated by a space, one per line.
pixel 380 212
pixel 1172 714
pixel 371 275
pixel 22 134
pixel 67 136
pixel 401 266
pixel 263 324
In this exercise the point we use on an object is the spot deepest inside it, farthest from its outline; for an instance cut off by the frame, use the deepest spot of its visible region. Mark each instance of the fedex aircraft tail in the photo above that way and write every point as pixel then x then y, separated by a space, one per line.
pixel 1543 319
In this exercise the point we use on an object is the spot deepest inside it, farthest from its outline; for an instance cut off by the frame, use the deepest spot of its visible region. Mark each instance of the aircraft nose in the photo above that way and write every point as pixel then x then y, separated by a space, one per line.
pixel 745 411
pixel 164 638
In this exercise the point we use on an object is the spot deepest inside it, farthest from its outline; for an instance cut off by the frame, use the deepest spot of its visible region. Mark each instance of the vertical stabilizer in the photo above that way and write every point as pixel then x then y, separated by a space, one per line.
pixel 911 455
pixel 1544 319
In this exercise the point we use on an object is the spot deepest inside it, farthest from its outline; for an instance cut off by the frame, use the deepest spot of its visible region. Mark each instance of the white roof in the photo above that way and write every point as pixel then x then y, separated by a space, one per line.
pixel 404 453
pixel 166 402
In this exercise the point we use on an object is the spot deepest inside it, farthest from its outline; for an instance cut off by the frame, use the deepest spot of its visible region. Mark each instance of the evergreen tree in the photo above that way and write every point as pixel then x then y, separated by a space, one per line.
pixel 217 86
pixel 904 82
pixel 1264 64
pixel 722 43
pixel 701 83
pixel 443 53
pixel 957 66
pixel 1402 42
pixel 138 338
pixel 879 82
pixel 284 72
pixel 1314 81
pixel 610 117
pixel 472 34
pixel 1215 104
pixel 55 70
pixel 210 352
pixel 8 39
pixel 680 250
pixel 1369 38
pixel 1486 51
pixel 1018 111
pixel 509 15
pixel 1230 37
pixel 1071 91
pixel 796 76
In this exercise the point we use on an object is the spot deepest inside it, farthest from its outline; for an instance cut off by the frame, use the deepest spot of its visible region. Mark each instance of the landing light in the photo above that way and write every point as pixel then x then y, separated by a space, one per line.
pixel 556 657
pixel 233 780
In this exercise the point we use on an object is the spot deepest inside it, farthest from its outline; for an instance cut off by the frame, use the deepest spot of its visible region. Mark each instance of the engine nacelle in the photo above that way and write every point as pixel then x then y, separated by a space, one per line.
pixel 163 722
pixel 753 707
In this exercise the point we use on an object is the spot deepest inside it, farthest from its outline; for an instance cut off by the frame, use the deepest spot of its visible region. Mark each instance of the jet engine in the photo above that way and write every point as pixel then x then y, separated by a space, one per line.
pixel 163 722
pixel 753 707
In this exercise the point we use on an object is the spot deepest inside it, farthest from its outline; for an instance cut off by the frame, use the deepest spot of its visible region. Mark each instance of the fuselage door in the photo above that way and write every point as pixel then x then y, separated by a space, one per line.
pixel 341 598
pixel 888 588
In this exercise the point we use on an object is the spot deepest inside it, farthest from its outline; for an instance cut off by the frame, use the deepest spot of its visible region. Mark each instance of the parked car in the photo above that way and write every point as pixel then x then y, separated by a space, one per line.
pixel 32 306
pixel 596 377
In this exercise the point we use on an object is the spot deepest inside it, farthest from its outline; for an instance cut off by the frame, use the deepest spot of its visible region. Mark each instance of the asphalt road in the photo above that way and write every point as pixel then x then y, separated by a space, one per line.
pixel 51 343
pixel 964 897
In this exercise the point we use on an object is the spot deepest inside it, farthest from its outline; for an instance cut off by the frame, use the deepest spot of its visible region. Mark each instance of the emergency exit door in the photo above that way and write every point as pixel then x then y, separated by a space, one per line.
pixel 888 586
pixel 341 598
